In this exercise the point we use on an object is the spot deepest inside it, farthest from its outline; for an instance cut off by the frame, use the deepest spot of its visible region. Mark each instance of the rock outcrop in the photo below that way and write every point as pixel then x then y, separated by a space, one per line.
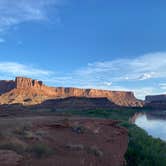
pixel 28 91
pixel 156 101
pixel 76 103
pixel 155 98
pixel 6 86
pixel 23 83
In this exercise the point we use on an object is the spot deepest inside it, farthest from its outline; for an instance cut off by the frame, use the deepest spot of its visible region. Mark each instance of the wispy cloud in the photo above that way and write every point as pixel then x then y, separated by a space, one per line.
pixel 13 12
pixel 137 74
pixel 145 75
pixel 12 69
pixel 162 86
pixel 144 67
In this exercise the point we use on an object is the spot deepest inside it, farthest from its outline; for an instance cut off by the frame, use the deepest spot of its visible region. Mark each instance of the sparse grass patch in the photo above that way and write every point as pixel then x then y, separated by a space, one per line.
pixel 29 135
pixel 20 149
pixel 75 147
pixel 22 128
pixel 113 114
pixel 79 129
pixel 95 151
pixel 41 150
pixel 143 150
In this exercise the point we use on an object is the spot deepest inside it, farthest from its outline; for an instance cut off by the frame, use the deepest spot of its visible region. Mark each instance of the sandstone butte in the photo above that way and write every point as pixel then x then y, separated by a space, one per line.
pixel 28 92
pixel 156 102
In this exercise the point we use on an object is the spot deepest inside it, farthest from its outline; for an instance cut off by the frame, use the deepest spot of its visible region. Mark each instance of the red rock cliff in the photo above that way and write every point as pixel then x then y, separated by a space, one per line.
pixel 37 92
pixel 6 86
pixel 156 101
pixel 23 83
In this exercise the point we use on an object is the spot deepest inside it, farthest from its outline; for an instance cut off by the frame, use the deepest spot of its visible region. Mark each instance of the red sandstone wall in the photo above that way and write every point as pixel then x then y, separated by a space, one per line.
pixel 29 88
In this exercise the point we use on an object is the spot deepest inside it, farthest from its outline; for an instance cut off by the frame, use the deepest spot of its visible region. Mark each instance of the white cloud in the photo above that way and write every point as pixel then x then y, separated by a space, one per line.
pixel 146 76
pixel 162 86
pixel 137 74
pixel 17 69
pixel 144 67
pixel 129 74
pixel 13 12
pixel 141 92
pixel 107 83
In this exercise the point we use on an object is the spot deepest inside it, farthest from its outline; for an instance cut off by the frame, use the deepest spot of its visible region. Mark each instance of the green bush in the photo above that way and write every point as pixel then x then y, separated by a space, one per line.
pixel 40 150
pixel 144 150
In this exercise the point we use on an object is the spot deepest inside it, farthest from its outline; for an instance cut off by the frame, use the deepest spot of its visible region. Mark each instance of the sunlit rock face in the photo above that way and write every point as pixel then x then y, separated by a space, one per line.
pixel 23 83
pixel 26 89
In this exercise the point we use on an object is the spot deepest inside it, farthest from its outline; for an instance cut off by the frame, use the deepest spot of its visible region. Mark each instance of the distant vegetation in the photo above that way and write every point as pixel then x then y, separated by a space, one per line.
pixel 143 150
pixel 113 114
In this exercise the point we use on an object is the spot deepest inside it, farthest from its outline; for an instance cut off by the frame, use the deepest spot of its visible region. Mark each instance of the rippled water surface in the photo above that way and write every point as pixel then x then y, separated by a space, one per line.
pixel 155 127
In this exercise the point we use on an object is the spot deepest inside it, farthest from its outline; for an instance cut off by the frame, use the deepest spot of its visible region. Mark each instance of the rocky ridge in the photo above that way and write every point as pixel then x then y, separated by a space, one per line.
pixel 156 101
pixel 28 91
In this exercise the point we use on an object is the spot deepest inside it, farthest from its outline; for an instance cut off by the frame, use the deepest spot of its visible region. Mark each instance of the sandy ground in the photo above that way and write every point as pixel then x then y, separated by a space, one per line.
pixel 61 141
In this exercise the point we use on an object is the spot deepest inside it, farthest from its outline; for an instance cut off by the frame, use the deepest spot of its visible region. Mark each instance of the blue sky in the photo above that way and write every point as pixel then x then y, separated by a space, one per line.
pixel 116 45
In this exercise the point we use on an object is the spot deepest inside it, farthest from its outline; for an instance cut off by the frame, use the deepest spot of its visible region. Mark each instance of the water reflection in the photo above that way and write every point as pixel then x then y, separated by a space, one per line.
pixel 154 126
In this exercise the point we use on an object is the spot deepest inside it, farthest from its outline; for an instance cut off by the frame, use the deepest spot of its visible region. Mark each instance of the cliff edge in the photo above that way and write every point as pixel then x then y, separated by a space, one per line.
pixel 28 91
pixel 156 101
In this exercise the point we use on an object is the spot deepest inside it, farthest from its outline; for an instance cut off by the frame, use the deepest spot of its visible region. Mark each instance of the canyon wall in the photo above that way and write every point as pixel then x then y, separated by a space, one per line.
pixel 77 103
pixel 23 83
pixel 25 89
pixel 156 101
pixel 6 86
pixel 155 98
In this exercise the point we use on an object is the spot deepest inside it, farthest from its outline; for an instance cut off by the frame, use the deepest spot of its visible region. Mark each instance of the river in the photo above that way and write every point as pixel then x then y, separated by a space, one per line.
pixel 154 124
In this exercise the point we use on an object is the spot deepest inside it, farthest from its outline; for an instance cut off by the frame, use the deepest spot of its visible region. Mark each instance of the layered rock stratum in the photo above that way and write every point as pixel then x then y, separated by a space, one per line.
pixel 29 92
pixel 156 101
pixel 155 98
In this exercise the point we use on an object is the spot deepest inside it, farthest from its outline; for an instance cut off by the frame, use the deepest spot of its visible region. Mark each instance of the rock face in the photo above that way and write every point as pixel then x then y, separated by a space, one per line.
pixel 23 83
pixel 156 98
pixel 28 91
pixel 77 103
pixel 6 86
pixel 156 101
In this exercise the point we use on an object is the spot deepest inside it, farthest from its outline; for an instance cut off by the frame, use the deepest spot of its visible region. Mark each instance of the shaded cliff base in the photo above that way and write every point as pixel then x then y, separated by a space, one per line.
pixel 64 105
pixel 155 102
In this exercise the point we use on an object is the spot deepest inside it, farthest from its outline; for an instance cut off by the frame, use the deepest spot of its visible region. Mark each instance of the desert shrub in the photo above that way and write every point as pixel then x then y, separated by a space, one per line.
pixel 13 146
pixel 79 129
pixel 22 128
pixel 95 151
pixel 76 147
pixel 113 114
pixel 40 150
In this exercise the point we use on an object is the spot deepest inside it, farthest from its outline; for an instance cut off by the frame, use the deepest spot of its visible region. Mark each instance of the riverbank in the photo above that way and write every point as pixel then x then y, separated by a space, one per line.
pixel 143 150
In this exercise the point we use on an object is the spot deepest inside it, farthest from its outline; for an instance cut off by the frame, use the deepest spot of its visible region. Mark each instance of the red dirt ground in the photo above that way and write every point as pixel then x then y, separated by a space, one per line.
pixel 80 142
